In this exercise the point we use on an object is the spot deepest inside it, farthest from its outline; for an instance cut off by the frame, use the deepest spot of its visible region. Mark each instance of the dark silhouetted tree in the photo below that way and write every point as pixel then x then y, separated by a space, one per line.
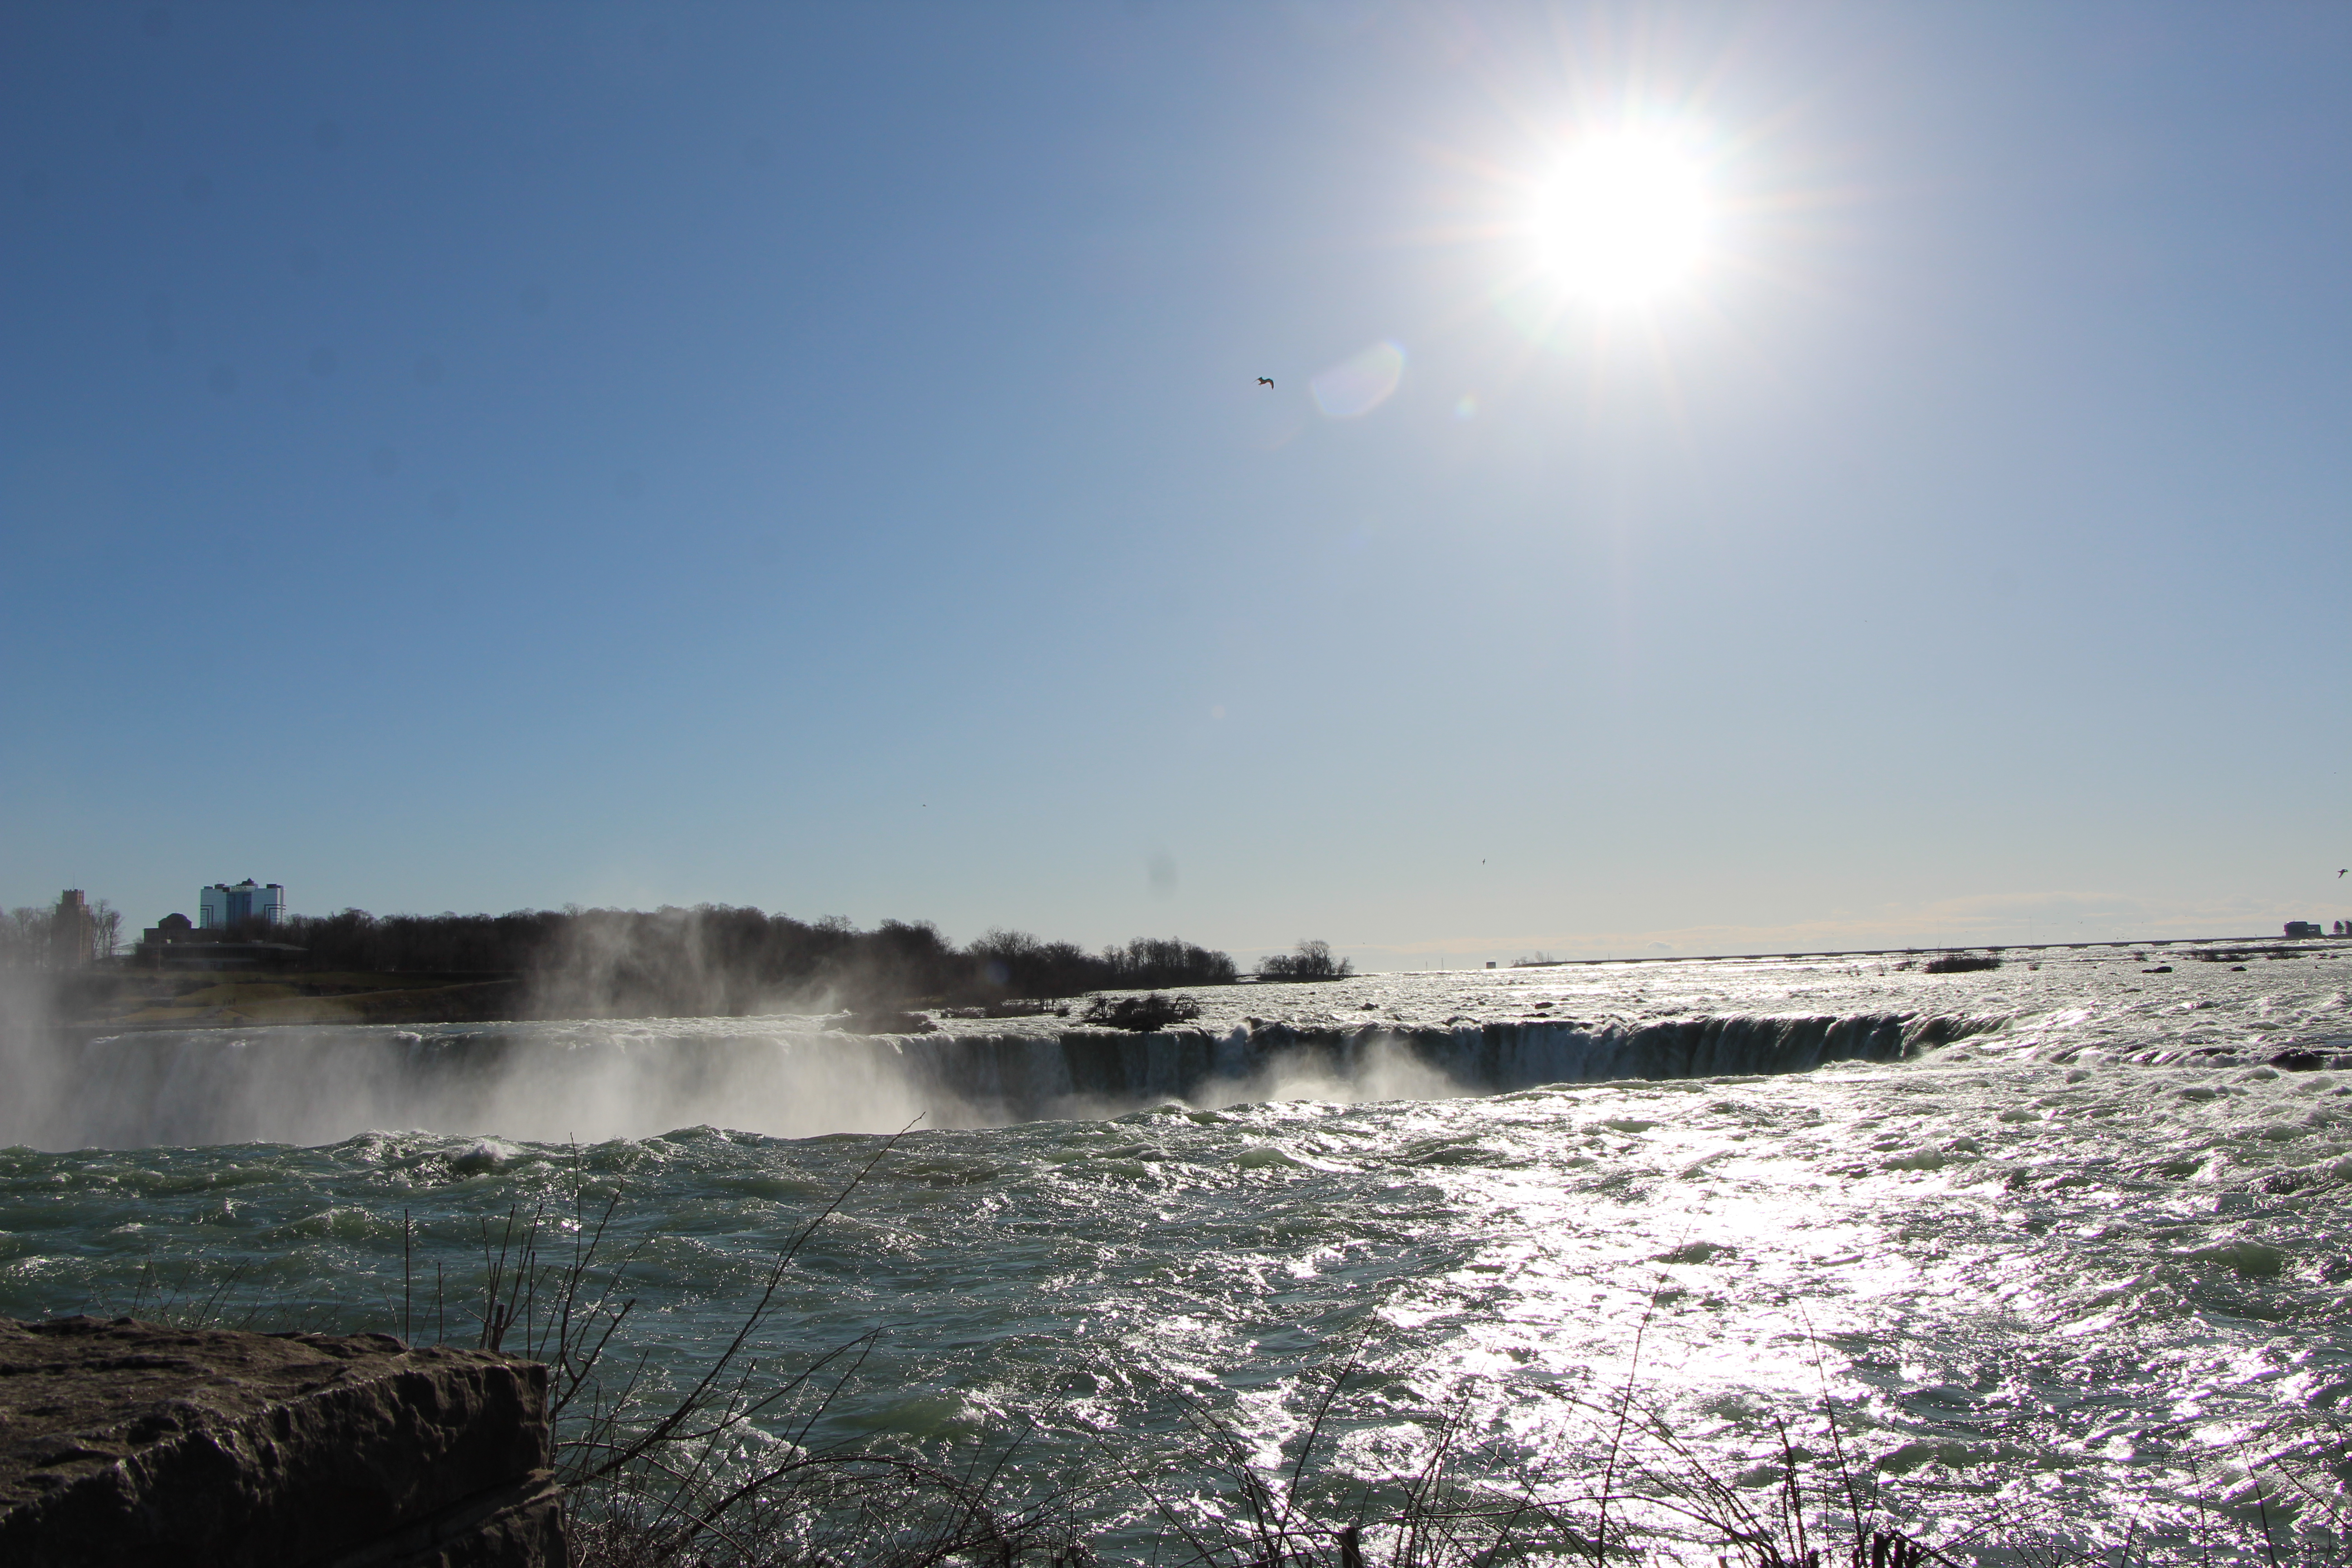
pixel 1310 960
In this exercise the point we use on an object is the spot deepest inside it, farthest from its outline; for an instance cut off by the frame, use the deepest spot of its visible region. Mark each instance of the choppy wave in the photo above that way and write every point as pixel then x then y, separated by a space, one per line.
pixel 2063 1242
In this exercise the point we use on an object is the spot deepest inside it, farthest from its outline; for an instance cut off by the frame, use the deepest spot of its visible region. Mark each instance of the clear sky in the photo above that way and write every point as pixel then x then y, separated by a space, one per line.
pixel 471 457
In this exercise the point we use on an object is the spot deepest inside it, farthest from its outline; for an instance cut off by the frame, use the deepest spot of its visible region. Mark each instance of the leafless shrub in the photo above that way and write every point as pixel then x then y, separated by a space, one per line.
pixel 730 1472
pixel 1140 1013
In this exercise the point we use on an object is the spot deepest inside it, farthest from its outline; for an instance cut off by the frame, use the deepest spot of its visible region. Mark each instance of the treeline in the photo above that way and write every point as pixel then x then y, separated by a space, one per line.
pixel 63 937
pixel 714 959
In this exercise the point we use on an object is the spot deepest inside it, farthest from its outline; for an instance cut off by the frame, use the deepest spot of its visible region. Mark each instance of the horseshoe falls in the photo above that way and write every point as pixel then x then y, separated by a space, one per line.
pixel 2054 1250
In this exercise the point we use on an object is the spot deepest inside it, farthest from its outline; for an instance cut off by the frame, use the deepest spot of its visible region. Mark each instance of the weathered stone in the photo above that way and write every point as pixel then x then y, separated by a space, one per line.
pixel 127 1442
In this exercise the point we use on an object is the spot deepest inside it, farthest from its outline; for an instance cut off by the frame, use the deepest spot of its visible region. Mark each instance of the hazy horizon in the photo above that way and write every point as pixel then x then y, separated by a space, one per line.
pixel 460 460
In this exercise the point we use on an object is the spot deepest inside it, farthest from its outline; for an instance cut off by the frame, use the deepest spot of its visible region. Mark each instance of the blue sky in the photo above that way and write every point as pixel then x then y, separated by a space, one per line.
pixel 478 457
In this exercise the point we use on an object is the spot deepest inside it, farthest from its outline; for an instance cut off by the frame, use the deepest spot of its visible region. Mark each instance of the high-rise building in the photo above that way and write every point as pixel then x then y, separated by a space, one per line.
pixel 70 931
pixel 225 904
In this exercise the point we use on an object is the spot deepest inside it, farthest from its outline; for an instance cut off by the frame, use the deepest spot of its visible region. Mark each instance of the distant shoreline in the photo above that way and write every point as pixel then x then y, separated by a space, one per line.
pixel 305 998
pixel 417 999
pixel 1885 951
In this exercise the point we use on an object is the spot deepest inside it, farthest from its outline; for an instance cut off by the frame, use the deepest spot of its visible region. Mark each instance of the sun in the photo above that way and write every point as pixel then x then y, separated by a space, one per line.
pixel 1624 219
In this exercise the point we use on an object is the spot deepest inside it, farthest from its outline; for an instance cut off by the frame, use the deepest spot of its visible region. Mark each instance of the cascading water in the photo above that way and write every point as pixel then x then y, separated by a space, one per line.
pixel 794 1076
pixel 2061 1244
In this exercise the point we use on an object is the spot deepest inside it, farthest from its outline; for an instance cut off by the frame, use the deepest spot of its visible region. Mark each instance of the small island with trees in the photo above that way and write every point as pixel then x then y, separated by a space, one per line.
pixel 1310 960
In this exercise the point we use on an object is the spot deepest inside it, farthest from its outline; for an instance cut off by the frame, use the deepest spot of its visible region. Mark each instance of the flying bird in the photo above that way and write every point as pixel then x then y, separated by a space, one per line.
pixel 1265 381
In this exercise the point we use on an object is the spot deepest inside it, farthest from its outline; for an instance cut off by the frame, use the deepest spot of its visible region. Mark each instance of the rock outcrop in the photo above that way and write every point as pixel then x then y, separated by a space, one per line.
pixel 124 1442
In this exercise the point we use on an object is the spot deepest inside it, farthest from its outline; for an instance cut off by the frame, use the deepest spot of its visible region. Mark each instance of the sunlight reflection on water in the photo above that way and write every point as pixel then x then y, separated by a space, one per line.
pixel 2067 1270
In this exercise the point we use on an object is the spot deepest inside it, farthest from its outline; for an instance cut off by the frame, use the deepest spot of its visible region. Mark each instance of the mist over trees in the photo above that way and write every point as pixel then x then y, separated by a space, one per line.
pixel 714 959
pixel 58 938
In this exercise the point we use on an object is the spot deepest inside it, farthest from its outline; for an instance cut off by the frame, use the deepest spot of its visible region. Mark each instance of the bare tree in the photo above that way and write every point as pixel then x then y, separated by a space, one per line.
pixel 1310 960
pixel 24 938
pixel 105 930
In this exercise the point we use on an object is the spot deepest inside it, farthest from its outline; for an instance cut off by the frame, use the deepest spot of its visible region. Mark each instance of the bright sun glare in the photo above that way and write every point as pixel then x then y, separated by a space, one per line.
pixel 1626 218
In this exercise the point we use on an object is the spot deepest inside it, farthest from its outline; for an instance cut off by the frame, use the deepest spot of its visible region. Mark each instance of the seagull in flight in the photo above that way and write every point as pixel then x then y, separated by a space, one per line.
pixel 1265 381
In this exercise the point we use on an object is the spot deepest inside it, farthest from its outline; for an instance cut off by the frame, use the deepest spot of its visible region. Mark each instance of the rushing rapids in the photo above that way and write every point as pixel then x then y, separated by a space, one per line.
pixel 556 1080
pixel 2061 1245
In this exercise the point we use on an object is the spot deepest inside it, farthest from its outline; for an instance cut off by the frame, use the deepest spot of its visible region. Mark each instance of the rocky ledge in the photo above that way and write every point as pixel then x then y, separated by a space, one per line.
pixel 128 1442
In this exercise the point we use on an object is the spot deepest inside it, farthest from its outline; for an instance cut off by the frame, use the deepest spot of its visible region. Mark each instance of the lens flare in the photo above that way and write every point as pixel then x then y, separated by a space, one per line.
pixel 1361 383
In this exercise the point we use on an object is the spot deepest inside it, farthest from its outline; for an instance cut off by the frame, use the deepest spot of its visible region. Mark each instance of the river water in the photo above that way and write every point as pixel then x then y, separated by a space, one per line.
pixel 2059 1246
